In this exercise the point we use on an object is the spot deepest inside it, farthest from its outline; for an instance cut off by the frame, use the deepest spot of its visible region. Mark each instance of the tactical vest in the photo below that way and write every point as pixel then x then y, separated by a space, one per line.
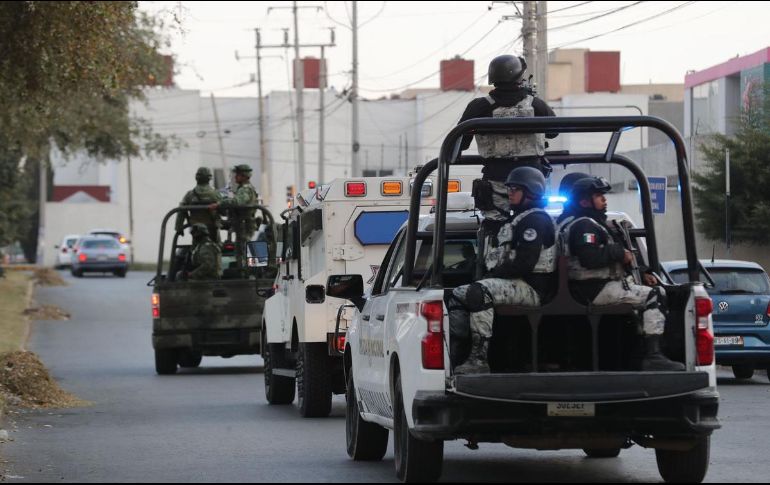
pixel 213 273
pixel 506 146
pixel 496 255
pixel 576 271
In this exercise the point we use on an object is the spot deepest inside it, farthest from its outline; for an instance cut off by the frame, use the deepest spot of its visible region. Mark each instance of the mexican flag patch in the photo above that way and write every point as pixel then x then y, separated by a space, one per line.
pixel 589 238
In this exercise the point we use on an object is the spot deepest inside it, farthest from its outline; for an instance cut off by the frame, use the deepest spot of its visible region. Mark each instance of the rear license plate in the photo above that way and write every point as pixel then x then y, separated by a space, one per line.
pixel 728 341
pixel 102 258
pixel 579 409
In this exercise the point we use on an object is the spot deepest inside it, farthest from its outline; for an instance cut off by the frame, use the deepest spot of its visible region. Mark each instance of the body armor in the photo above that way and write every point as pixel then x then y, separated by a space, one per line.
pixel 499 248
pixel 576 271
pixel 508 146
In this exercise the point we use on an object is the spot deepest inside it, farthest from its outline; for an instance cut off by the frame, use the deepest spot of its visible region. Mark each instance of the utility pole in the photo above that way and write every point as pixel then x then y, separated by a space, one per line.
pixel 130 210
pixel 265 168
pixel 406 151
pixel 382 158
pixel 728 234
pixel 299 81
pixel 42 199
pixel 321 114
pixel 399 155
pixel 528 33
pixel 541 74
pixel 219 133
pixel 354 95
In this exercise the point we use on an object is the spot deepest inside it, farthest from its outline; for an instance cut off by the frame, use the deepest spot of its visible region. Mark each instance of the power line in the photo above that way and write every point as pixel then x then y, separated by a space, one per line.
pixel 632 24
pixel 579 22
pixel 568 8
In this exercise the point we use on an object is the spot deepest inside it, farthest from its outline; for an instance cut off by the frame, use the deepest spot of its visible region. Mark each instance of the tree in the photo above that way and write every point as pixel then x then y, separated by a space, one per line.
pixel 68 71
pixel 749 176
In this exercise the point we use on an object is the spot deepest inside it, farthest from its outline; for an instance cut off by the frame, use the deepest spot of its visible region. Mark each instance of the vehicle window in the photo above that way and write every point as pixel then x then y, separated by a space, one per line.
pixel 459 260
pixel 100 244
pixel 379 280
pixel 680 276
pixel 71 242
pixel 394 272
pixel 740 281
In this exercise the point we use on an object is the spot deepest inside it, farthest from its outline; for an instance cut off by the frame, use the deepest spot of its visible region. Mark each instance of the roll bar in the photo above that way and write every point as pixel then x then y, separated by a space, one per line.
pixel 450 155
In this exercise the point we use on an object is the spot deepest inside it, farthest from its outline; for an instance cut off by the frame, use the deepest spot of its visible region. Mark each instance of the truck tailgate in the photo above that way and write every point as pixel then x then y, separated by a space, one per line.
pixel 221 305
pixel 582 387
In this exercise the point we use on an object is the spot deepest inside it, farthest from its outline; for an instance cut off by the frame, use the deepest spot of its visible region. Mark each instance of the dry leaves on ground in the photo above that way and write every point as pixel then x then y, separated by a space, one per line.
pixel 25 382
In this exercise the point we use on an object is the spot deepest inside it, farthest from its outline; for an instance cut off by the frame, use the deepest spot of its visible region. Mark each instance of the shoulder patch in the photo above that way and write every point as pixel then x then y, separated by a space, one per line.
pixel 530 235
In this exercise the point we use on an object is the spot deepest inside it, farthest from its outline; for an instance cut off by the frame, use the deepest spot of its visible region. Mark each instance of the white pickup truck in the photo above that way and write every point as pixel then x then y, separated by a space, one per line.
pixel 564 375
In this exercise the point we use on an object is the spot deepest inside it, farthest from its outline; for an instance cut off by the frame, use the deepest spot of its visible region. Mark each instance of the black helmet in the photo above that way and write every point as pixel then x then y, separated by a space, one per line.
pixel 589 186
pixel 506 69
pixel 568 181
pixel 529 179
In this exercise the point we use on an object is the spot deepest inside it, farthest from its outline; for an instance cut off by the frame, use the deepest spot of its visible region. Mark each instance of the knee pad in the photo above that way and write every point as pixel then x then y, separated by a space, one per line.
pixel 478 298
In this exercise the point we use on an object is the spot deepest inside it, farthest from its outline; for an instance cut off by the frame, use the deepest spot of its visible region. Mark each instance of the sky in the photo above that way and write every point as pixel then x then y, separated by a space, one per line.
pixel 402 43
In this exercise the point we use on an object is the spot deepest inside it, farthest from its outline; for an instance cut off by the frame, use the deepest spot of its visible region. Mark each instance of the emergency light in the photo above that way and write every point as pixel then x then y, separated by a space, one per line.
pixel 453 186
pixel 355 189
pixel 392 187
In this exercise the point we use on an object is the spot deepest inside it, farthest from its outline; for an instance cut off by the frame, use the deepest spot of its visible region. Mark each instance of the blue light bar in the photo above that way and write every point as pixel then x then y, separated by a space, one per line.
pixel 557 199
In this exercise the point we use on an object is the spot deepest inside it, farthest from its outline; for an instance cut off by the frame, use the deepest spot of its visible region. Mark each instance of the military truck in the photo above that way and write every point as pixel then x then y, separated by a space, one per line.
pixel 221 317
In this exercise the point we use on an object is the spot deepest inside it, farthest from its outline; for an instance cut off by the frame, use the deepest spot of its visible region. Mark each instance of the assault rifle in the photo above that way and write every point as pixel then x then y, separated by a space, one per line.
pixel 635 272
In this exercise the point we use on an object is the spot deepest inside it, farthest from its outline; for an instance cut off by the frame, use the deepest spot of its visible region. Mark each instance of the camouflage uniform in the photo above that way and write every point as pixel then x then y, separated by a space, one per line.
pixel 597 273
pixel 202 194
pixel 206 256
pixel 242 221
pixel 519 263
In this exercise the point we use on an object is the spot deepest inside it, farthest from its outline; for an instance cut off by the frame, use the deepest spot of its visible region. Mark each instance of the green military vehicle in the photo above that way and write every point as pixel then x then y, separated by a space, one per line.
pixel 218 317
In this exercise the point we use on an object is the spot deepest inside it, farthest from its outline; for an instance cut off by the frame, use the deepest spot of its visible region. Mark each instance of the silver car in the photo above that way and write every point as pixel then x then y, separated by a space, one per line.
pixel 99 254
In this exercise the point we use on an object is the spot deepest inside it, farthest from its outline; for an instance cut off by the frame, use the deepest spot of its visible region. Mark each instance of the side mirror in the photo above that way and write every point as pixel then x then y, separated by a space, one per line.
pixel 258 254
pixel 56 246
pixel 349 287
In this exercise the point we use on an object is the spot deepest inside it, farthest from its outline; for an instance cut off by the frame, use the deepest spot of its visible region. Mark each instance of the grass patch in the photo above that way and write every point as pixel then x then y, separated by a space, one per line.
pixel 14 298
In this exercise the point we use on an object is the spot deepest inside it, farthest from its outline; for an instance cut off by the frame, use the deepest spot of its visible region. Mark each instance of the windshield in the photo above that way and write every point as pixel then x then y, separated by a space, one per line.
pixel 732 280
pixel 100 244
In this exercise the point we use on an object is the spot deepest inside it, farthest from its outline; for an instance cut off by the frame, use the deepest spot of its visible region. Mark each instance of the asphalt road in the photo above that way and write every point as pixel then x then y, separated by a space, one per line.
pixel 213 424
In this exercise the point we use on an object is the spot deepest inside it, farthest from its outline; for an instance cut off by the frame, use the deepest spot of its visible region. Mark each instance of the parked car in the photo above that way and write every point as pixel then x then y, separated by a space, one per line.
pixel 65 250
pixel 99 254
pixel 741 295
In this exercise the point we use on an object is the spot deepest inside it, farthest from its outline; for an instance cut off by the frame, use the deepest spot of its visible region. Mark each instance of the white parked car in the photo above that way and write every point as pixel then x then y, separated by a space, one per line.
pixel 64 251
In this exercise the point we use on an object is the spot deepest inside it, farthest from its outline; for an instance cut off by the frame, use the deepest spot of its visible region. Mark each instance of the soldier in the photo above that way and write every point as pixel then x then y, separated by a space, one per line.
pixel 511 98
pixel 565 190
pixel 202 194
pixel 519 261
pixel 206 256
pixel 598 269
pixel 241 221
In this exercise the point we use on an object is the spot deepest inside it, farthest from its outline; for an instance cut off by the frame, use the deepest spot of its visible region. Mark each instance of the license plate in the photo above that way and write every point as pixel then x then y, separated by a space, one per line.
pixel 579 409
pixel 102 258
pixel 731 341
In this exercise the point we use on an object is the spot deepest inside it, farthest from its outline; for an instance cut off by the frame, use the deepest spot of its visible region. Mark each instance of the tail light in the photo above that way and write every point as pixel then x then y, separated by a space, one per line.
pixel 433 342
pixel 355 189
pixel 340 343
pixel 767 312
pixel 122 258
pixel 155 305
pixel 704 337
pixel 82 257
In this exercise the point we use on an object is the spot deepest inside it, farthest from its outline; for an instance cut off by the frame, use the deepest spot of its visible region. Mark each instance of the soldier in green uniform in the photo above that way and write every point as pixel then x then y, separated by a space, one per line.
pixel 202 194
pixel 241 220
pixel 206 256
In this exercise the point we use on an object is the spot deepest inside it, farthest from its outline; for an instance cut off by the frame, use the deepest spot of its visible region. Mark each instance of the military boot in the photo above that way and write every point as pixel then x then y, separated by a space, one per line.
pixel 654 360
pixel 477 360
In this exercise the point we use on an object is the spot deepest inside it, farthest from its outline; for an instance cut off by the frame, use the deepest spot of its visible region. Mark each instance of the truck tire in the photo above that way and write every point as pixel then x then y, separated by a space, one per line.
pixel 365 441
pixel 743 371
pixel 165 361
pixel 278 389
pixel 189 359
pixel 416 460
pixel 601 452
pixel 685 466
pixel 314 381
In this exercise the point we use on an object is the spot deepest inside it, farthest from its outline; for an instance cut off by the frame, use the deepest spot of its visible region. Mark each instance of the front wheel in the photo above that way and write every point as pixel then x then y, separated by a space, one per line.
pixel 165 361
pixel 365 441
pixel 278 389
pixel 314 384
pixel 685 466
pixel 743 371
pixel 416 460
